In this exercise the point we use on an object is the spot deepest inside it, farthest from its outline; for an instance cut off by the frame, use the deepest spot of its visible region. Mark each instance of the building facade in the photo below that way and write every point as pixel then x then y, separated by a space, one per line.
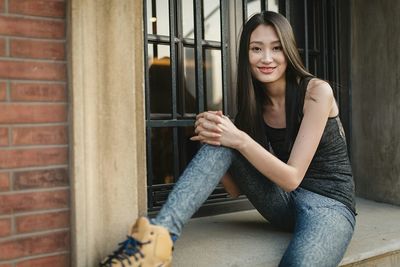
pixel 88 143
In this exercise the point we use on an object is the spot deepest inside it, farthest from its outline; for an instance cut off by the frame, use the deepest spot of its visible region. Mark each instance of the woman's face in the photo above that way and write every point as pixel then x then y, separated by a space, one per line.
pixel 267 60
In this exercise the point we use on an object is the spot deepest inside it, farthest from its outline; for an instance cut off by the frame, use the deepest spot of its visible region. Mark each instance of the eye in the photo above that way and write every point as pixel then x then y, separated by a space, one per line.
pixel 255 49
pixel 277 48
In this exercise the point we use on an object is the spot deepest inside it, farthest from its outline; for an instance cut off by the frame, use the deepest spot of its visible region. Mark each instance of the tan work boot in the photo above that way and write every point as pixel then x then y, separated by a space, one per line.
pixel 147 246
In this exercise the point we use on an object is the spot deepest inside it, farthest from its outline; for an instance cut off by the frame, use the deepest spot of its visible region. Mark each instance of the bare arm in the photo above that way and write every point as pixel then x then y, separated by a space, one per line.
pixel 317 107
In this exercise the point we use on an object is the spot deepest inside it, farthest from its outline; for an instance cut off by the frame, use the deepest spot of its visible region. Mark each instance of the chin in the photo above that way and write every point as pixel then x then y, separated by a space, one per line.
pixel 267 79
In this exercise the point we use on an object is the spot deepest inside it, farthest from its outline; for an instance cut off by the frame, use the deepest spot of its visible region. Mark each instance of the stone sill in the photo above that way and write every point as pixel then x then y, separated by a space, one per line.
pixel 245 239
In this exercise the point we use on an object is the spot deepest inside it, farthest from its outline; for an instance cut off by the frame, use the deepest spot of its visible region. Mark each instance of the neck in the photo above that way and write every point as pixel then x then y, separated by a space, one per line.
pixel 276 93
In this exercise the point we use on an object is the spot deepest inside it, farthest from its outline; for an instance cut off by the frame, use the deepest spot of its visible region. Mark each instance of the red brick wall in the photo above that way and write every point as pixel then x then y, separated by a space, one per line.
pixel 34 180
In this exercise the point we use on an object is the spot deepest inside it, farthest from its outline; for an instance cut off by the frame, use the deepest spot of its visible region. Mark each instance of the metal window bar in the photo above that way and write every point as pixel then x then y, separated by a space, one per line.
pixel 306 49
pixel 244 10
pixel 286 9
pixel 225 55
pixel 198 36
pixel 173 65
pixel 264 5
pixel 335 47
pixel 147 109
pixel 324 56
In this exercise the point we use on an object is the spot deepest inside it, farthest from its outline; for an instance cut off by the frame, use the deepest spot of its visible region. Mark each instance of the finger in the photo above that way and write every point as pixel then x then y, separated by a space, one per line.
pixel 207 134
pixel 208 140
pixel 198 122
pixel 198 129
pixel 200 115
pixel 195 138
pixel 219 113
pixel 225 121
pixel 202 139
pixel 203 124
pixel 211 127
pixel 213 132
pixel 213 117
pixel 211 142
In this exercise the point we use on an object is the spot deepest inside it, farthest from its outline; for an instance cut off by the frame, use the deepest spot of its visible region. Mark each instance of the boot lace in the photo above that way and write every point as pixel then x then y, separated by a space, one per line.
pixel 127 249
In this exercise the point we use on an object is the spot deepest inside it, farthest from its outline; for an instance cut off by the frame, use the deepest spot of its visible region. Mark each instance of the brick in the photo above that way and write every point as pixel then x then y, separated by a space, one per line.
pixel 2 47
pixel 32 157
pixel 38 92
pixel 4 181
pixel 46 135
pixel 15 26
pixel 2 10
pixel 50 261
pixel 37 49
pixel 41 179
pixel 26 113
pixel 30 246
pixel 3 93
pixel 22 202
pixel 44 8
pixel 3 136
pixel 6 265
pixel 32 70
pixel 5 227
pixel 39 222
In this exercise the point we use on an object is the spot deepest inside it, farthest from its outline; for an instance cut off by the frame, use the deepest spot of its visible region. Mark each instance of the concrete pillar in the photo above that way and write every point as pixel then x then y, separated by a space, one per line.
pixel 108 134
pixel 376 99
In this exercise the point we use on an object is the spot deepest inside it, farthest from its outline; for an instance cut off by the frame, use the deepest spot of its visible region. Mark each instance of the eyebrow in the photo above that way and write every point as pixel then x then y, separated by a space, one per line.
pixel 259 42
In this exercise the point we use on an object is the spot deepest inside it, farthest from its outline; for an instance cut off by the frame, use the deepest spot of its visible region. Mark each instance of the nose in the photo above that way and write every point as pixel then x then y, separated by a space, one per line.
pixel 266 57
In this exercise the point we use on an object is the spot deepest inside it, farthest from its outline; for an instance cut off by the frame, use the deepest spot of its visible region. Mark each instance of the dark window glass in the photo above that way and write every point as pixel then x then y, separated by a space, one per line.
pixel 160 81
pixel 187 147
pixel 162 155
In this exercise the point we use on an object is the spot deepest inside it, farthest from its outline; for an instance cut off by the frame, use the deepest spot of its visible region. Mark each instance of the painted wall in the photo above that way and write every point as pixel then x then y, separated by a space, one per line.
pixel 376 99
pixel 108 170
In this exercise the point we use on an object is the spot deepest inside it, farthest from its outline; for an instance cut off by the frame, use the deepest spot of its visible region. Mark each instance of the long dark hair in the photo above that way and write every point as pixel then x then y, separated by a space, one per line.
pixel 251 97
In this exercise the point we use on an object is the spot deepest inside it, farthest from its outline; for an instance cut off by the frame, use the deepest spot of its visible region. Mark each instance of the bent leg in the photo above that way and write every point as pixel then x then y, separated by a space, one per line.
pixel 194 186
pixel 270 200
pixel 323 231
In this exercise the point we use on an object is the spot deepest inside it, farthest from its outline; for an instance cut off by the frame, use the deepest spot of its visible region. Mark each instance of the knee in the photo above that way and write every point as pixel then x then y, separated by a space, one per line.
pixel 218 150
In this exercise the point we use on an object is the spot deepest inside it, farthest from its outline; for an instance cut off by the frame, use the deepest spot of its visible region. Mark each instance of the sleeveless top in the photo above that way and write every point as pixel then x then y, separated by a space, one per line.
pixel 329 173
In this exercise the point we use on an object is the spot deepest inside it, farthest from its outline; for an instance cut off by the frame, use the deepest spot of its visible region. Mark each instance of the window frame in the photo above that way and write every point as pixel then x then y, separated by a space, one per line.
pixel 233 14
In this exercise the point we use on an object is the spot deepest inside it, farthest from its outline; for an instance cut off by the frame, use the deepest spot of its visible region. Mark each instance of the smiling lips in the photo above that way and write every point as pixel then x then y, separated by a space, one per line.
pixel 266 70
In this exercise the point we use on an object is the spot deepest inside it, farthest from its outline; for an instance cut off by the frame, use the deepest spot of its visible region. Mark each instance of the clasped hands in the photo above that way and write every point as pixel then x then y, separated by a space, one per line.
pixel 214 128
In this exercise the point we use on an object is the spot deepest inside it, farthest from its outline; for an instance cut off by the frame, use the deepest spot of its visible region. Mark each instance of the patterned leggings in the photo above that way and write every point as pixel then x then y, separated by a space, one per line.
pixel 322 227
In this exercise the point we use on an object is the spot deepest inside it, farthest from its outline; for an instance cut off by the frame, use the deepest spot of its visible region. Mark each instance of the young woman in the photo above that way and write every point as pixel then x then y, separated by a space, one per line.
pixel 286 152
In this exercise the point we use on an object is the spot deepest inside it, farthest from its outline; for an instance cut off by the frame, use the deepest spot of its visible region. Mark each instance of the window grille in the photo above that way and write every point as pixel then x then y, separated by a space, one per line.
pixel 190 55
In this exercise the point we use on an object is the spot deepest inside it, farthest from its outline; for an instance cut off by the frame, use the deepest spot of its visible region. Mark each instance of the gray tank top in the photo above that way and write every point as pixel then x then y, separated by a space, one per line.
pixel 329 173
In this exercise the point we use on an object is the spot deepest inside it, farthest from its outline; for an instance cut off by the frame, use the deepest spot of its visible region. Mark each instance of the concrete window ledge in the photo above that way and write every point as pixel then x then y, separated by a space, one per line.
pixel 245 239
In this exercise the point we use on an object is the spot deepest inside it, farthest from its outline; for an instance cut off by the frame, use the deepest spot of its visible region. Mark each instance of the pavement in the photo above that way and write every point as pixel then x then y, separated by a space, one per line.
pixel 246 239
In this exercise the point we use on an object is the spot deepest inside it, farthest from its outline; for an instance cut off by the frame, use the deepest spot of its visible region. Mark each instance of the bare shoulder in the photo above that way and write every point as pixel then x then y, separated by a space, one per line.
pixel 318 90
